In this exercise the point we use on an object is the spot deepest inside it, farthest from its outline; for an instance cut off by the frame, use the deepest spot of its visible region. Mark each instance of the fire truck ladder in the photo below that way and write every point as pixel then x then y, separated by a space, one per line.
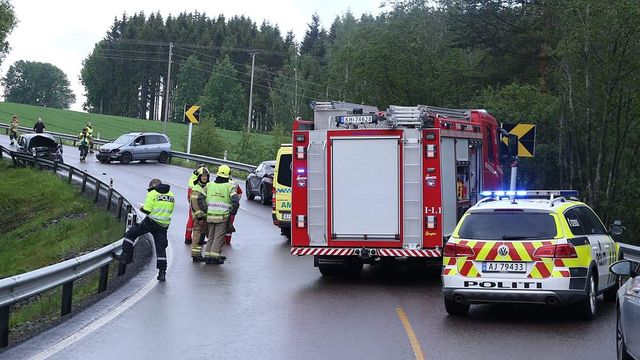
pixel 409 116
pixel 316 192
pixel 412 197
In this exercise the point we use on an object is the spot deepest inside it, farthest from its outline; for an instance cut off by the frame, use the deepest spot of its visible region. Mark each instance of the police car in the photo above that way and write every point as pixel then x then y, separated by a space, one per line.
pixel 541 246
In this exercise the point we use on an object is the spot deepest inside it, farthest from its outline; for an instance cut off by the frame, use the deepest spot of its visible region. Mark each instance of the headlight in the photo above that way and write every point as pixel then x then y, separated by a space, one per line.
pixel 115 150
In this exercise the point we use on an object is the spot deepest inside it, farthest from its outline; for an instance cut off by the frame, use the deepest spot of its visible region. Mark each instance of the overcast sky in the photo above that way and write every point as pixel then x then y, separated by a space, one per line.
pixel 63 32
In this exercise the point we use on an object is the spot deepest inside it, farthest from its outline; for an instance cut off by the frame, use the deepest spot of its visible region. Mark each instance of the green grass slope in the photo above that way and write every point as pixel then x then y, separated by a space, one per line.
pixel 44 220
pixel 106 126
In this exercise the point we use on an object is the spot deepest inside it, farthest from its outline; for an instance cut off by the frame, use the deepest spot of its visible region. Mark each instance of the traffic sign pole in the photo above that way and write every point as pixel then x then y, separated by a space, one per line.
pixel 189 138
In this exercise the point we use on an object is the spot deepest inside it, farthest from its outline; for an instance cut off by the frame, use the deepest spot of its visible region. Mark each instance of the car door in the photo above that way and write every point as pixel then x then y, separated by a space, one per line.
pixel 630 316
pixel 606 250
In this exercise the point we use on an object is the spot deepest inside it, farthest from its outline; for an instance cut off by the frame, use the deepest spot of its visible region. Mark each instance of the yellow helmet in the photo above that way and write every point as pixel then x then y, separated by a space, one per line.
pixel 224 171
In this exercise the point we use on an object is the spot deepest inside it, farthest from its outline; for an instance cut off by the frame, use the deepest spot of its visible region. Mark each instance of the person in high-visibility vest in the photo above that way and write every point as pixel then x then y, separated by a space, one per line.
pixel 158 206
pixel 232 218
pixel 198 211
pixel 222 203
pixel 192 180
pixel 90 136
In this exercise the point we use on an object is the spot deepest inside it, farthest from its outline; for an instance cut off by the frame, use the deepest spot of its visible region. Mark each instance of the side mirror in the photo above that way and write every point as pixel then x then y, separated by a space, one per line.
pixel 623 268
pixel 616 229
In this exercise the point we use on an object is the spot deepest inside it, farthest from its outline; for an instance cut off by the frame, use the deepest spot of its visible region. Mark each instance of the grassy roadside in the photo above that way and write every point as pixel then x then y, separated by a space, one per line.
pixel 107 126
pixel 43 221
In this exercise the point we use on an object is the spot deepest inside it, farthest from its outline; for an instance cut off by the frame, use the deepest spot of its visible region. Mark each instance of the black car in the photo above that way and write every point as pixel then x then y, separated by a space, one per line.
pixel 40 145
pixel 260 182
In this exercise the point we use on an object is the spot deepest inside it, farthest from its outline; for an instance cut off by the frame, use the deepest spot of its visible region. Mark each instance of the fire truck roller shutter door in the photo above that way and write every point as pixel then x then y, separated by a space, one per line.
pixel 365 187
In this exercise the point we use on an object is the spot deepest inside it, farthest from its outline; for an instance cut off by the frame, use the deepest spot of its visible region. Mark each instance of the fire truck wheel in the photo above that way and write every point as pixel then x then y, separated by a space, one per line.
pixel 329 270
pixel 455 308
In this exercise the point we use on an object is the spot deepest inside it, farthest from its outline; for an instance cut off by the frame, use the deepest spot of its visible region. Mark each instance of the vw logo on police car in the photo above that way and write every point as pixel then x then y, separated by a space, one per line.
pixel 503 250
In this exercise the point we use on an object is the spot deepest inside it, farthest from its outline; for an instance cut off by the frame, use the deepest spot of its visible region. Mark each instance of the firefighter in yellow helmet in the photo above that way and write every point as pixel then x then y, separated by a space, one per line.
pixel 198 201
pixel 223 202
pixel 158 206
pixel 190 184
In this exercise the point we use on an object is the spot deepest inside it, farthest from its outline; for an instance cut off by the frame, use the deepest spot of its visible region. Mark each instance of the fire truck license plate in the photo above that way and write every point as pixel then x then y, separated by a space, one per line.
pixel 504 267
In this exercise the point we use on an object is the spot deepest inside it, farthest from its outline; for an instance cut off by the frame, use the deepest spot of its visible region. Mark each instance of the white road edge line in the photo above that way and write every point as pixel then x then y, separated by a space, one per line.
pixel 107 317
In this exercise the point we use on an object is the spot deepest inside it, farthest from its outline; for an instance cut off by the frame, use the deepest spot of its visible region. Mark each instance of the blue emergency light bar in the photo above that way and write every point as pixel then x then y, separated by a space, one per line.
pixel 531 193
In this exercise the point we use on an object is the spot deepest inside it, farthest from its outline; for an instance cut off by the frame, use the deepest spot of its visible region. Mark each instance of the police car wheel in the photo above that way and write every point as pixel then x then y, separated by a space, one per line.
pixel 589 306
pixel 455 308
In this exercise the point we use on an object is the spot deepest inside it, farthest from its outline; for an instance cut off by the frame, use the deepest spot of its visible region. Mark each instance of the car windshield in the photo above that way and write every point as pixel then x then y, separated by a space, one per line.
pixel 508 225
pixel 124 139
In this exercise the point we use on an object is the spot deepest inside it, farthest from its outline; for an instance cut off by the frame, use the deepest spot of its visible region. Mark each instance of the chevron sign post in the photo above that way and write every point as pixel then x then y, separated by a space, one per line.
pixel 191 116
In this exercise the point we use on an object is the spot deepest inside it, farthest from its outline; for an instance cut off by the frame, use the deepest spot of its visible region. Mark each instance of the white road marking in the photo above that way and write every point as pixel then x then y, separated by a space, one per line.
pixel 106 318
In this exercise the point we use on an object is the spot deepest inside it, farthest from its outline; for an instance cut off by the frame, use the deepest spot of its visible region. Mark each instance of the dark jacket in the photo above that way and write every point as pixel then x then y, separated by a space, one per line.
pixel 38 127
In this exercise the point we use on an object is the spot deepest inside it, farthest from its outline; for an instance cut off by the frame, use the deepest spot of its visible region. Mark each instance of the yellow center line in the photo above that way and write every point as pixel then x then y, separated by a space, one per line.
pixel 417 350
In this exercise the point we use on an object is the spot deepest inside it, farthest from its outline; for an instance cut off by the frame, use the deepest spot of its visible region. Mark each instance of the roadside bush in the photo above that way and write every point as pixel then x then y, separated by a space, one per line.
pixel 207 140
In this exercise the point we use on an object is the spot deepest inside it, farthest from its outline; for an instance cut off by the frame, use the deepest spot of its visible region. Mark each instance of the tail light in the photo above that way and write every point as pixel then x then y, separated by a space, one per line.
pixel 457 250
pixel 273 199
pixel 556 251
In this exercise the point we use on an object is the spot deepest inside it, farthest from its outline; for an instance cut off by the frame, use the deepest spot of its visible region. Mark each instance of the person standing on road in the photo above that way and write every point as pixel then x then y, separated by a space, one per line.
pixel 13 129
pixel 222 202
pixel 158 206
pixel 198 212
pixel 90 134
pixel 232 218
pixel 192 181
pixel 84 144
pixel 39 126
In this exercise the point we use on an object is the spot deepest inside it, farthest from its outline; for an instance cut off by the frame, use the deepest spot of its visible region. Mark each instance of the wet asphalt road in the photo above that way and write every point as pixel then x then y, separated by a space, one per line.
pixel 266 304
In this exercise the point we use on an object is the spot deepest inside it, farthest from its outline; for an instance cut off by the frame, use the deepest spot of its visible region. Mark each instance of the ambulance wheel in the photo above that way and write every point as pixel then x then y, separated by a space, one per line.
pixel 588 307
pixel 455 308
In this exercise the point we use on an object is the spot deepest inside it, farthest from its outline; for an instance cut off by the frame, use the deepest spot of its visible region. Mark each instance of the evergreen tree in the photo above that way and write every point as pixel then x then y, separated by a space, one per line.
pixel 223 96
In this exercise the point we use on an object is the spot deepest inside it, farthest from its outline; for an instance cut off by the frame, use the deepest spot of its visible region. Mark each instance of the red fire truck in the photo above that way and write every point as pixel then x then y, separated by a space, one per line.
pixel 370 185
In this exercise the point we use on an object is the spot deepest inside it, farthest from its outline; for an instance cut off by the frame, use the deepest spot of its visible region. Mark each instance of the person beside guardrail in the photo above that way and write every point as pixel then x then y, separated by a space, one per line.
pixel 158 206
pixel 84 144
pixel 90 136
pixel 222 202
pixel 192 181
pixel 13 129
pixel 38 128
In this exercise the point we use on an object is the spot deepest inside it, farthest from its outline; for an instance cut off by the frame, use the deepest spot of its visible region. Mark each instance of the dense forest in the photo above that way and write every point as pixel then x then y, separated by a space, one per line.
pixel 570 67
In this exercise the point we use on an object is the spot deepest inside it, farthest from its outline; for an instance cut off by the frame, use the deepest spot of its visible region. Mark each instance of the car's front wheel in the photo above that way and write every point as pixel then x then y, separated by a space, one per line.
pixel 125 158
pixel 247 188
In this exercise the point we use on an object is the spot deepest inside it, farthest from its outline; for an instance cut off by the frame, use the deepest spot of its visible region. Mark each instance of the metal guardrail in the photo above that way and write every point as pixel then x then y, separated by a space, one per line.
pixel 24 286
pixel 630 252
pixel 177 154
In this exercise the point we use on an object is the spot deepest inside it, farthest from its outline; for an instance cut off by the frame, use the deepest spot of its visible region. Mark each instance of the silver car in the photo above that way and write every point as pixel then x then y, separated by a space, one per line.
pixel 136 146
pixel 628 310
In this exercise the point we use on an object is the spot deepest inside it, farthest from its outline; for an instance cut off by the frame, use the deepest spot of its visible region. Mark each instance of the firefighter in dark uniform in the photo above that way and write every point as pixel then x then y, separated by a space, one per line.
pixel 158 206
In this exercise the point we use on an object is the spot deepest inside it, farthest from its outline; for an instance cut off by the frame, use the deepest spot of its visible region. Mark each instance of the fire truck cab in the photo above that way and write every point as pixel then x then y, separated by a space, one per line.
pixel 370 185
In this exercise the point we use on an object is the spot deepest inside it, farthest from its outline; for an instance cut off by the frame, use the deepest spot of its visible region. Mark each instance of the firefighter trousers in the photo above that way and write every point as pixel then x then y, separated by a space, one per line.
pixel 188 231
pixel 197 234
pixel 159 234
pixel 217 232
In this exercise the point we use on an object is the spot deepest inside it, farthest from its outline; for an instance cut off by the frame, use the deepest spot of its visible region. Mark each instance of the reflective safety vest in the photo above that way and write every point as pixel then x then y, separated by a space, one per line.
pixel 160 207
pixel 219 200
pixel 198 200
pixel 192 179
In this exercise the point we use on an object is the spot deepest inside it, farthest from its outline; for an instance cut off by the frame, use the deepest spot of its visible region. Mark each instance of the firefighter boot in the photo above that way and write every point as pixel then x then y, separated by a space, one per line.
pixel 162 274
pixel 121 258
pixel 196 251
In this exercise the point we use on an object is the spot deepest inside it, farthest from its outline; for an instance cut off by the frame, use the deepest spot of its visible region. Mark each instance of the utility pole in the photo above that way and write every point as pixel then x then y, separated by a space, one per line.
pixel 166 90
pixel 253 65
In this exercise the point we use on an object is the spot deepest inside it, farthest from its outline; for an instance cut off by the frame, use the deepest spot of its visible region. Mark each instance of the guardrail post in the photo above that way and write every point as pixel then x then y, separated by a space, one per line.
pixel 84 183
pixel 4 326
pixel 122 269
pixel 104 278
pixel 67 297
pixel 120 200
pixel 109 195
pixel 70 174
pixel 55 167
pixel 95 199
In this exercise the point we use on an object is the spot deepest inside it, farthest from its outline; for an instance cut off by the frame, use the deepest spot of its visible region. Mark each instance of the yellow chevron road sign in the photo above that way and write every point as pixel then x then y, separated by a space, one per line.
pixel 192 114
pixel 526 134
